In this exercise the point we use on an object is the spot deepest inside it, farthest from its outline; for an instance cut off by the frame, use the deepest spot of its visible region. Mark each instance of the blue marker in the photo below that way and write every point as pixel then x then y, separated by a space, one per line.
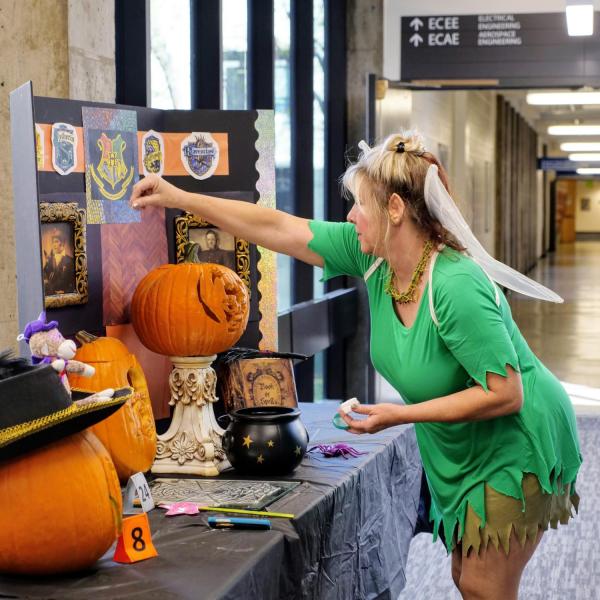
pixel 238 523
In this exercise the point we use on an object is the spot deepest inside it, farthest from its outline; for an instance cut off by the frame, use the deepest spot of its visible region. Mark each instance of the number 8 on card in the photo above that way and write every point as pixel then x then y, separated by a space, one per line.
pixel 135 542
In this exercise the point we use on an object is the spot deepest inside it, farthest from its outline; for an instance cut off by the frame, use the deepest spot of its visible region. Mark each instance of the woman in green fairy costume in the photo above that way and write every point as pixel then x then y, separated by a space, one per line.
pixel 496 430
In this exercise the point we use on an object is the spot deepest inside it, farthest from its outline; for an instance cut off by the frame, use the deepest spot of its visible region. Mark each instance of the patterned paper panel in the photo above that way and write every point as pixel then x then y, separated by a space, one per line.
pixel 129 251
pixel 267 265
pixel 111 164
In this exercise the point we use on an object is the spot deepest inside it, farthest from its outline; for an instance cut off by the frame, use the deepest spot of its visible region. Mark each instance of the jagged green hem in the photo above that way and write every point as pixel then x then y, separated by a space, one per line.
pixel 499 368
pixel 556 483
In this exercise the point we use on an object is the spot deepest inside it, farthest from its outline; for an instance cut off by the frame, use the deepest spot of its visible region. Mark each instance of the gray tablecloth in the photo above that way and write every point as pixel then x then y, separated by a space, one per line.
pixel 349 539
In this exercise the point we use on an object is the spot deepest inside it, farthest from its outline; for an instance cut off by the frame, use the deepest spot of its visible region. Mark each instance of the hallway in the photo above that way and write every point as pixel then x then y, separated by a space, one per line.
pixel 566 336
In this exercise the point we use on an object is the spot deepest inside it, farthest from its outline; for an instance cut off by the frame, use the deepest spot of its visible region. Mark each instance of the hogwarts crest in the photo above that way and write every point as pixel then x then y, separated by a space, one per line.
pixel 153 153
pixel 112 168
pixel 200 155
pixel 64 148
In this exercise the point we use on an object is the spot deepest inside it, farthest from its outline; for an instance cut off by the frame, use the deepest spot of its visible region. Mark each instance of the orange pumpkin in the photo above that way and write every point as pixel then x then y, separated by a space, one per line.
pixel 60 507
pixel 190 309
pixel 130 433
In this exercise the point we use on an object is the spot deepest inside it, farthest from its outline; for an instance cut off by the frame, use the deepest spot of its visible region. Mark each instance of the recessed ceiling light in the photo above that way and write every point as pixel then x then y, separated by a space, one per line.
pixel 585 156
pixel 580 18
pixel 574 130
pixel 588 171
pixel 580 146
pixel 562 98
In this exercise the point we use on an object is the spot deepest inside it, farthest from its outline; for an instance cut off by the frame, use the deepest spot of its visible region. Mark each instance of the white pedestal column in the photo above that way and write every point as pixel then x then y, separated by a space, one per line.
pixel 192 445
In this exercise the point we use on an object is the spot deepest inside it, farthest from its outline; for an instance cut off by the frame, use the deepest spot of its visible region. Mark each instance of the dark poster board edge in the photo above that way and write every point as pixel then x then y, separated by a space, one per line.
pixel 30 289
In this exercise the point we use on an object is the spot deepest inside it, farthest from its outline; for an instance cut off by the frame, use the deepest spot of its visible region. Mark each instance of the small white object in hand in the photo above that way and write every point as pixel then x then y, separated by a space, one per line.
pixel 349 405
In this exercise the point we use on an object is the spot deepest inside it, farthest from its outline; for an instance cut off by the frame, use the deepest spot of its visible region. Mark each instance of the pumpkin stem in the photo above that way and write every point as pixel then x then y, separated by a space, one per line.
pixel 190 252
pixel 83 337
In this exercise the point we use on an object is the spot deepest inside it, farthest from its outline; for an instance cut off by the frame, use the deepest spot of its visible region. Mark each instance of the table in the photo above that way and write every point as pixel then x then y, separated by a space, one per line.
pixel 354 521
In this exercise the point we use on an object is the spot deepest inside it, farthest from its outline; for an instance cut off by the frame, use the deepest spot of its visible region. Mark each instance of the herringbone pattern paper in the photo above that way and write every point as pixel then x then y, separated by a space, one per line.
pixel 129 251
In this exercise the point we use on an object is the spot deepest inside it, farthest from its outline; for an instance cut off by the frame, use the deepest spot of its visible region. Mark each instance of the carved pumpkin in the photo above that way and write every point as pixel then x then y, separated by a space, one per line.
pixel 129 434
pixel 60 507
pixel 190 309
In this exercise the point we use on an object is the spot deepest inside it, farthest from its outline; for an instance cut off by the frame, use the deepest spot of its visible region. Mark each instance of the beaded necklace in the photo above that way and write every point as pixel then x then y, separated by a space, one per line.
pixel 410 294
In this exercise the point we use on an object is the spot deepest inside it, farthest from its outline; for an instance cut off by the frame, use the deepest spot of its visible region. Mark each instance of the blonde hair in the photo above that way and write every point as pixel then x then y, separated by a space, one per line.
pixel 398 165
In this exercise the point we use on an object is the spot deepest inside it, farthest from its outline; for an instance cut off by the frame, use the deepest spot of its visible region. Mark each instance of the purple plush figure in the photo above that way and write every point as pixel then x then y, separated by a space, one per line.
pixel 48 346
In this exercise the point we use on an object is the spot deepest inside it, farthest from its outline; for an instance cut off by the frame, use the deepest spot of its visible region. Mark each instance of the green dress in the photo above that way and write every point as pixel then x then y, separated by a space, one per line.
pixel 474 335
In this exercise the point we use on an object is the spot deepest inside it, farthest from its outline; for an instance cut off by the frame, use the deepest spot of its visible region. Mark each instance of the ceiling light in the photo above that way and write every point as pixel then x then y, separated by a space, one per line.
pixel 574 130
pixel 561 98
pixel 580 146
pixel 580 19
pixel 589 171
pixel 585 157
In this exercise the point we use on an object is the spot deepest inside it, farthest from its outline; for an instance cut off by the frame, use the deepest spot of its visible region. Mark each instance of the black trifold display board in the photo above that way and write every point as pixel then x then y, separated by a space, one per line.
pixel 32 186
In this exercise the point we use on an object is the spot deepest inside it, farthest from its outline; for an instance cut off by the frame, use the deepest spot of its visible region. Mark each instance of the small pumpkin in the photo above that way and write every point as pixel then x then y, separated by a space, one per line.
pixel 60 507
pixel 190 309
pixel 129 434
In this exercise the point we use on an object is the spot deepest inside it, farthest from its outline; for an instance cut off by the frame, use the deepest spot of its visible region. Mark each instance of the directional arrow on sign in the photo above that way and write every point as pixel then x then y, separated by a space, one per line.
pixel 415 40
pixel 416 23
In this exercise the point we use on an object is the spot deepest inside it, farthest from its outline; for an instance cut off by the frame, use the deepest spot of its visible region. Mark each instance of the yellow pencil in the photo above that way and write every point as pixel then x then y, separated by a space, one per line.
pixel 241 511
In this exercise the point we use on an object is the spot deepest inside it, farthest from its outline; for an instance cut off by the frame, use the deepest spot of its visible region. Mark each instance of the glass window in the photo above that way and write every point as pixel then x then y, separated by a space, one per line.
pixel 319 376
pixel 234 24
pixel 318 126
pixel 170 82
pixel 283 139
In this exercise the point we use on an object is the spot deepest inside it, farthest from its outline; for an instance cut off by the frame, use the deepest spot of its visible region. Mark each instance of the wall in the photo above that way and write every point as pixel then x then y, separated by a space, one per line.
pixel 587 221
pixel 459 128
pixel 92 50
pixel 67 50
pixel 480 136
pixel 364 28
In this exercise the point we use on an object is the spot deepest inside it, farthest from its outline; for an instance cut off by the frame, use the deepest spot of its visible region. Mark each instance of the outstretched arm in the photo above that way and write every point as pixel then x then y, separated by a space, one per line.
pixel 267 227
pixel 505 397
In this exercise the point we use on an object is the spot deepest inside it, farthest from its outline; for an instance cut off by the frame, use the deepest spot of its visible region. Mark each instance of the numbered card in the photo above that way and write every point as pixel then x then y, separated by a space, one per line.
pixel 135 543
pixel 137 486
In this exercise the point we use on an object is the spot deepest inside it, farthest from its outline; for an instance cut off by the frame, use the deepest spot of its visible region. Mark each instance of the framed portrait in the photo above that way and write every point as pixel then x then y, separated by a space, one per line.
pixel 211 244
pixel 585 204
pixel 64 261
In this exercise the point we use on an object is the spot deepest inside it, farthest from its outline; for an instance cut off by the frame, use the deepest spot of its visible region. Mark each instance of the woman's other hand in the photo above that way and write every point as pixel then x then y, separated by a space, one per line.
pixel 379 416
pixel 153 190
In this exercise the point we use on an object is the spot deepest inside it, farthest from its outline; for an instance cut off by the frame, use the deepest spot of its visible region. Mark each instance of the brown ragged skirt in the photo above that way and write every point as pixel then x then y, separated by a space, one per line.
pixel 504 513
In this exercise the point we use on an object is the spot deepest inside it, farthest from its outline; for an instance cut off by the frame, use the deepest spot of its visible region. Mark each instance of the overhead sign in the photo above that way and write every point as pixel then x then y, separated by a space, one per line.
pixel 516 50
pixel 563 165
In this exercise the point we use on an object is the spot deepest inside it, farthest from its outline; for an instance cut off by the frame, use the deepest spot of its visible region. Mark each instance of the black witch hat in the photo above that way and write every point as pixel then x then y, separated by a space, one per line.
pixel 36 409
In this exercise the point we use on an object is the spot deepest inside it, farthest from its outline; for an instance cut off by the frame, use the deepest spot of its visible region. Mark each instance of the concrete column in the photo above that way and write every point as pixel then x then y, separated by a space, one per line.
pixel 365 55
pixel 66 48
pixel 92 73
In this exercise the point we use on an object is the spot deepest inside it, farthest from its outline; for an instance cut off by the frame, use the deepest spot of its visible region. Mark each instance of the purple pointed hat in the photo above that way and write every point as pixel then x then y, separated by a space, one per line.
pixel 36 326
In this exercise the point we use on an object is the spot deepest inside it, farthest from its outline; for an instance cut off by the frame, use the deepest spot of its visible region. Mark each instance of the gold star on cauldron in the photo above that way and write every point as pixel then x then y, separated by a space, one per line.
pixel 247 441
pixel 298 451
pixel 270 443
pixel 260 460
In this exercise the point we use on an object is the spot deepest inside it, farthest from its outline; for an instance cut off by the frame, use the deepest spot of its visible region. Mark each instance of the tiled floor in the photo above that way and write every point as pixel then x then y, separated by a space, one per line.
pixel 566 337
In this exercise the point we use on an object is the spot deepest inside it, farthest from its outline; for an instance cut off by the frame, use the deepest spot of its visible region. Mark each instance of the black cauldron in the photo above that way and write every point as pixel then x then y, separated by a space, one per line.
pixel 265 440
